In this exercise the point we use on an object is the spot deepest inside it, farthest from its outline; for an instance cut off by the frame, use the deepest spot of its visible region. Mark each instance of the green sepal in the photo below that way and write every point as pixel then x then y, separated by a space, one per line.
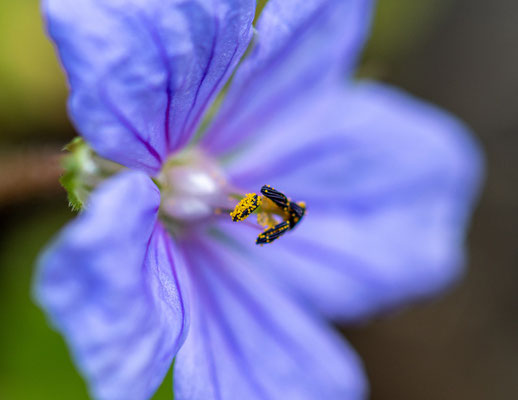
pixel 69 183
pixel 76 166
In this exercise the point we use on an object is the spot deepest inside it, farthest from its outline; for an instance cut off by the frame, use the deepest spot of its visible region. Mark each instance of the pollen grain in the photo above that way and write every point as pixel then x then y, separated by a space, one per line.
pixel 245 207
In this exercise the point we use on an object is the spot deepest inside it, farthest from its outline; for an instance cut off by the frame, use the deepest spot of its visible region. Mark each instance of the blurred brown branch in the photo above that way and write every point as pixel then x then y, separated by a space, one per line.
pixel 29 173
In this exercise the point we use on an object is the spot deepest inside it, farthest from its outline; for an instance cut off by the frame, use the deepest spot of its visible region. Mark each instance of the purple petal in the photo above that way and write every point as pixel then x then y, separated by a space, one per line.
pixel 110 285
pixel 390 183
pixel 143 72
pixel 249 341
pixel 299 45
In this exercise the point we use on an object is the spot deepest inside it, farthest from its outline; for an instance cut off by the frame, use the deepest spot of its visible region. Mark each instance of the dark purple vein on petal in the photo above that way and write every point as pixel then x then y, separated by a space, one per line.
pixel 162 54
pixel 105 99
pixel 130 340
pixel 278 57
pixel 205 73
pixel 229 337
pixel 205 341
pixel 213 90
pixel 278 334
pixel 166 241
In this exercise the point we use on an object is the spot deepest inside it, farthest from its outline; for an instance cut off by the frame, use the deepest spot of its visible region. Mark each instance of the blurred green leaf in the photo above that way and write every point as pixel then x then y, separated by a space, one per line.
pixel 32 98
pixel 399 26
pixel 35 362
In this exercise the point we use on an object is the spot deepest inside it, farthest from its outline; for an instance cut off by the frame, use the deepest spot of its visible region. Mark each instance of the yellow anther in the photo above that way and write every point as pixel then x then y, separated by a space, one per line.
pixel 276 213
pixel 245 207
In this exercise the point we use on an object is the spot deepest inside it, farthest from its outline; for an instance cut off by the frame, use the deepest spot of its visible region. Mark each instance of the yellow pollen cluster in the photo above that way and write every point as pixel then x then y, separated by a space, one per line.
pixel 245 207
pixel 276 213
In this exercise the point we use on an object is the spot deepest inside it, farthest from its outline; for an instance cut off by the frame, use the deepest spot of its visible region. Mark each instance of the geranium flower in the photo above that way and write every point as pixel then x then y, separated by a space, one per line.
pixel 154 268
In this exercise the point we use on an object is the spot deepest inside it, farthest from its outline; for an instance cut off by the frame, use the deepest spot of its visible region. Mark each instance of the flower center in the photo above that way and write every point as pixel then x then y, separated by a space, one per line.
pixel 194 190
pixel 275 212
pixel 193 187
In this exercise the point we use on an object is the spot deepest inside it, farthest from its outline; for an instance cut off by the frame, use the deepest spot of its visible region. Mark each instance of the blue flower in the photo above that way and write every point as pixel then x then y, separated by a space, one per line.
pixel 154 269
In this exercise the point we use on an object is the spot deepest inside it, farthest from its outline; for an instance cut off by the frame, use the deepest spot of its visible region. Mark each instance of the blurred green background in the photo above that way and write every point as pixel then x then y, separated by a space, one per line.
pixel 461 54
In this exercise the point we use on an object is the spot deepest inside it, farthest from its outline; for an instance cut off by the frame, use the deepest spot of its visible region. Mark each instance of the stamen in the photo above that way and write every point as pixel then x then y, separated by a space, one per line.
pixel 274 233
pixel 266 220
pixel 275 213
pixel 277 197
pixel 297 211
pixel 245 207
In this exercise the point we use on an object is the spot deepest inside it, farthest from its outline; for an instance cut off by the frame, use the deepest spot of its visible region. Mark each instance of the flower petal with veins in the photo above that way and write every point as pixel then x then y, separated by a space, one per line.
pixel 111 284
pixel 142 72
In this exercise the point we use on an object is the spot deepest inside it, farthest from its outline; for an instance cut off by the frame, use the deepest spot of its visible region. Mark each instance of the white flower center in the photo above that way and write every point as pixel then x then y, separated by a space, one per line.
pixel 193 188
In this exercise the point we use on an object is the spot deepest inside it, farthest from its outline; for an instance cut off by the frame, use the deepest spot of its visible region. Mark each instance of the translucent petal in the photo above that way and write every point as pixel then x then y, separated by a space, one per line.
pixel 142 72
pixel 389 183
pixel 250 341
pixel 299 46
pixel 110 284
